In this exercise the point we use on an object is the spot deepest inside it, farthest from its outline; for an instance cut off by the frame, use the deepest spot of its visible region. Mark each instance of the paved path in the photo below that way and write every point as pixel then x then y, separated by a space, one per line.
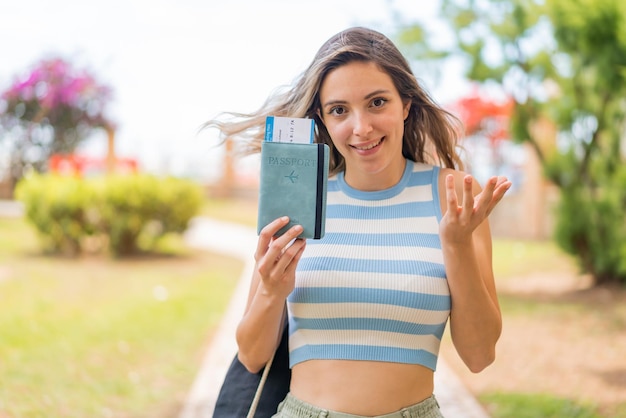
pixel 10 209
pixel 238 241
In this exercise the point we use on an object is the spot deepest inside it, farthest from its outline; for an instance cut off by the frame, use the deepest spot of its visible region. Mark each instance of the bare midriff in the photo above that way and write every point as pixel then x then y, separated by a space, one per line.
pixel 365 388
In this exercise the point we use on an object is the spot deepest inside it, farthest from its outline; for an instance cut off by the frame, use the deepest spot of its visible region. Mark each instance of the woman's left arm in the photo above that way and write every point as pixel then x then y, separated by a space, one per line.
pixel 475 319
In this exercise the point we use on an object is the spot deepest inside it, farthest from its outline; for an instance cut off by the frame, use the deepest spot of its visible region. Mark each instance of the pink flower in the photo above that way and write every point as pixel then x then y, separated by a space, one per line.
pixel 54 84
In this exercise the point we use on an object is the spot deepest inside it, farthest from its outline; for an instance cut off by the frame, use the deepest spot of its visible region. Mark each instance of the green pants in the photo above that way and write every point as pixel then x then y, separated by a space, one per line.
pixel 292 407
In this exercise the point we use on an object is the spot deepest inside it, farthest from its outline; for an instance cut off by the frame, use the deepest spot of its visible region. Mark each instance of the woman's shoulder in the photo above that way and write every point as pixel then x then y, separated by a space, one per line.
pixel 459 176
pixel 444 171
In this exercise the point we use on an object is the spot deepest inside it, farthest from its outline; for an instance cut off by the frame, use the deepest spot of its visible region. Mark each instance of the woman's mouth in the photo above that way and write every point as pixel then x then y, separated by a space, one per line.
pixel 370 146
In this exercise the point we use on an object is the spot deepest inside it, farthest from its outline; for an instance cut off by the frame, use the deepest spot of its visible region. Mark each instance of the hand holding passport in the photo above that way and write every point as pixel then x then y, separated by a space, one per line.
pixel 294 176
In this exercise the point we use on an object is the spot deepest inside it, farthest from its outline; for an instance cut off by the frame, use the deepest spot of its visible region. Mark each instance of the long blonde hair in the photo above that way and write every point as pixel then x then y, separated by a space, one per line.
pixel 431 133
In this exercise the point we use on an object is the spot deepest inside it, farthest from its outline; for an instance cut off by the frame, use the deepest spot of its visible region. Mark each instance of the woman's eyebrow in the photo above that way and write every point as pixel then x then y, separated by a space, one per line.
pixel 376 93
pixel 333 102
pixel 367 97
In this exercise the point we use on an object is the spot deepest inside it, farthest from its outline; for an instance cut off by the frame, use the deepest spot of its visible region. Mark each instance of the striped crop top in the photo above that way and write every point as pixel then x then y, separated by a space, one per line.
pixel 374 288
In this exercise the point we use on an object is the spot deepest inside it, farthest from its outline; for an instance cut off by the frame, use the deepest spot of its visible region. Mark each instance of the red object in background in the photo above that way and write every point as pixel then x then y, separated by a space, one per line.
pixel 481 115
pixel 84 166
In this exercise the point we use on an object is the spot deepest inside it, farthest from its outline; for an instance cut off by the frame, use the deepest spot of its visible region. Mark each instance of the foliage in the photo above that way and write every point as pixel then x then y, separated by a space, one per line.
pixel 100 337
pixel 564 64
pixel 135 207
pixel 130 212
pixel 535 406
pixel 591 220
pixel 50 110
pixel 59 208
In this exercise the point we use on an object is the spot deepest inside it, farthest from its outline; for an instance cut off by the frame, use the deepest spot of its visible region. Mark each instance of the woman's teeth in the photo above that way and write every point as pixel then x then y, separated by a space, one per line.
pixel 369 146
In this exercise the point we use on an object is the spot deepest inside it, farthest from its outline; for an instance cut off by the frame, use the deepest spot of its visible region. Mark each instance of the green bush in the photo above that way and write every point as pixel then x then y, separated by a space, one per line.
pixel 145 207
pixel 126 211
pixel 61 209
pixel 590 221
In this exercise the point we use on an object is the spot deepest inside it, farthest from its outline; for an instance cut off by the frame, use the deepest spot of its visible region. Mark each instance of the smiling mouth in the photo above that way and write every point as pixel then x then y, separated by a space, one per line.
pixel 369 147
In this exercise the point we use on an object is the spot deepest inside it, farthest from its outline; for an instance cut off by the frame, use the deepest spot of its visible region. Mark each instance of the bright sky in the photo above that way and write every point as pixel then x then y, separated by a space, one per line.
pixel 174 64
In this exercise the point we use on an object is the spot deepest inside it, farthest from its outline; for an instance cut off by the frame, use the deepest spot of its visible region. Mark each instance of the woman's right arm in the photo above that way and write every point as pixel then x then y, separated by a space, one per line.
pixel 273 279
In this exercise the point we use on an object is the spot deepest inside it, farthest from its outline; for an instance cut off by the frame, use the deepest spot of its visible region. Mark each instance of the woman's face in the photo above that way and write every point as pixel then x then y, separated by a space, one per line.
pixel 364 115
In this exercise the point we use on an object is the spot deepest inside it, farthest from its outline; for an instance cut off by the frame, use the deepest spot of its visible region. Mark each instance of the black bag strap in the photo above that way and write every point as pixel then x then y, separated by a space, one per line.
pixel 239 387
pixel 259 391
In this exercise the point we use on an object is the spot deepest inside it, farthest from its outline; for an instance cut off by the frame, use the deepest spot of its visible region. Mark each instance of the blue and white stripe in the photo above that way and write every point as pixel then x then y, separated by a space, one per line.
pixel 374 288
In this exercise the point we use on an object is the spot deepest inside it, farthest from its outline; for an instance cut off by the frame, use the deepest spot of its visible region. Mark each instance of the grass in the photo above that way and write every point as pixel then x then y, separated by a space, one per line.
pixel 514 258
pixel 517 405
pixel 102 338
pixel 242 211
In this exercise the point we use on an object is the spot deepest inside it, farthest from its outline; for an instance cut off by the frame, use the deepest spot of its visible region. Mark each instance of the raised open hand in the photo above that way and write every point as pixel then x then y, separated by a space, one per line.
pixel 460 221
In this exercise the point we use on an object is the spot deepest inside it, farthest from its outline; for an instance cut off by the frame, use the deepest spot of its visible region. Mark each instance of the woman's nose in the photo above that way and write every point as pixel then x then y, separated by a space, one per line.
pixel 362 124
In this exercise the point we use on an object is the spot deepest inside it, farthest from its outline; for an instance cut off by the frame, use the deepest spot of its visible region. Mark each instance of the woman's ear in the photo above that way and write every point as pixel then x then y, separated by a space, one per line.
pixel 407 107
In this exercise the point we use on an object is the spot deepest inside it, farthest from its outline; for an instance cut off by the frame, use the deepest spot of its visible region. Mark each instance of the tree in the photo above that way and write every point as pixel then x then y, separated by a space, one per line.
pixel 50 110
pixel 564 64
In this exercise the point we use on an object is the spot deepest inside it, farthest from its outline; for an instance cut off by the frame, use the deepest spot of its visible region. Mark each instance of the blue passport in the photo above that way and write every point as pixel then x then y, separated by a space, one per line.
pixel 293 183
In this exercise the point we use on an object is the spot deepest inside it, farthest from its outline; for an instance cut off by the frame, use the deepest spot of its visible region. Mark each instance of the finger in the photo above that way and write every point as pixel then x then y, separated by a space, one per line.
pixel 280 244
pixel 485 201
pixel 451 197
pixel 468 197
pixel 290 258
pixel 266 235
pixel 296 259
pixel 503 185
pixel 283 270
pixel 467 208
pixel 285 239
pixel 499 192
pixel 272 257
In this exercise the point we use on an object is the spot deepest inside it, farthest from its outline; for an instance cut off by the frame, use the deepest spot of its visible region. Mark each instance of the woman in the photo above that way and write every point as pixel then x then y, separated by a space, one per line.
pixel 407 243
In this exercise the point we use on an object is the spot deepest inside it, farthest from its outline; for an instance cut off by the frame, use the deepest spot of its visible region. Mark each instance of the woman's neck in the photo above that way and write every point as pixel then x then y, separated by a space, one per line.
pixel 374 181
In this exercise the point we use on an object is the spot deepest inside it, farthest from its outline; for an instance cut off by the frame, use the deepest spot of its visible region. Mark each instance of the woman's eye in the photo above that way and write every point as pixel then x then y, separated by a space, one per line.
pixel 378 102
pixel 337 111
